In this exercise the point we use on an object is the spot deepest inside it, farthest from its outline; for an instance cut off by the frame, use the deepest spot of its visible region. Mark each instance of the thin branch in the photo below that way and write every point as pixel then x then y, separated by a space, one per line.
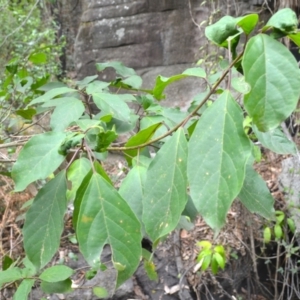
pixel 193 113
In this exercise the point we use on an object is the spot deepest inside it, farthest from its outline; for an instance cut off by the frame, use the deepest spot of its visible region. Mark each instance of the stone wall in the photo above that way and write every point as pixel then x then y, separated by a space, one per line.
pixel 156 37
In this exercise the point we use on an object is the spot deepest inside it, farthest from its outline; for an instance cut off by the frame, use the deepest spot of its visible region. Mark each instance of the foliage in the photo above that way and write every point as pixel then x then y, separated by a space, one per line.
pixel 215 257
pixel 205 154
pixel 29 58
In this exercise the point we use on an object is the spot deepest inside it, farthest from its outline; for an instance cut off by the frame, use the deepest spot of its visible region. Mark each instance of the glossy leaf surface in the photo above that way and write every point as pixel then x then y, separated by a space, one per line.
pixel 56 273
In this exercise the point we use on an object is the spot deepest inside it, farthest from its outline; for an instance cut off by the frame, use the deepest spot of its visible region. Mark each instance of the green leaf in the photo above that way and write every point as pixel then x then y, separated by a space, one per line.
pixel 198 72
pixel 220 260
pixel 6 262
pixel 105 218
pixel 162 82
pixel 104 139
pixel 44 221
pixel 59 287
pixel 285 20
pixel 214 266
pixel 24 289
pixel 267 235
pixel 220 31
pixel 240 85
pixel 26 113
pixel 291 225
pixel 247 23
pixel 295 37
pixel 52 93
pixel 255 195
pixel 132 187
pixel 165 194
pixel 112 105
pixel 204 244
pixel 80 193
pixel 100 292
pixel 141 137
pixel 273 74
pixel 150 270
pixel 10 275
pixel 56 273
pixel 96 87
pixel 118 66
pixel 68 111
pixel 38 159
pixel 134 81
pixel 76 173
pixel 206 262
pixel 218 152
pixel 38 58
pixel 85 81
pixel 276 141
pixel 278 231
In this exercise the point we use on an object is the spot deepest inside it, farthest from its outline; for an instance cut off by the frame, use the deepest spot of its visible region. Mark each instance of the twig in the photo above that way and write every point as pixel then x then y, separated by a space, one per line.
pixel 13 144
pixel 214 88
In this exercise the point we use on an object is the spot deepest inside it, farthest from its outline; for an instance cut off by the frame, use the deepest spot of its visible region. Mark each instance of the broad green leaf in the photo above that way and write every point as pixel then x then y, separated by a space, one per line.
pixel 247 23
pixel 273 74
pixel 44 221
pixel 100 292
pixel 118 66
pixel 276 141
pixel 85 124
pixel 218 152
pixel 134 81
pixel 38 159
pixel 24 289
pixel 80 193
pixel 165 193
pixel 198 72
pixel 162 82
pixel 76 173
pixel 65 113
pixel 96 86
pixel 38 58
pixel 112 105
pixel 141 137
pixel 56 273
pixel 132 187
pixel 85 81
pixel 285 20
pixel 26 113
pixel 220 31
pixel 255 195
pixel 10 275
pixel 52 93
pixel 105 218
pixel 59 287
pixel 240 85
pixel 295 37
